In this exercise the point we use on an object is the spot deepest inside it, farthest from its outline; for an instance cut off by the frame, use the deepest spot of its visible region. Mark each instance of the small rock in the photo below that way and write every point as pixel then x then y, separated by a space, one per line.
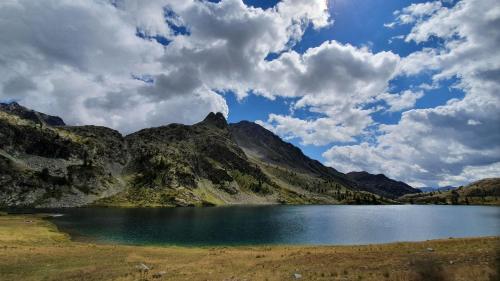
pixel 430 250
pixel 159 274
pixel 142 267
pixel 297 276
pixel 451 262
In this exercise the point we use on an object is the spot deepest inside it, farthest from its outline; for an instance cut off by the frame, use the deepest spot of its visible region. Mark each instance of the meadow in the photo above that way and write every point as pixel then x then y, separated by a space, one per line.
pixel 31 248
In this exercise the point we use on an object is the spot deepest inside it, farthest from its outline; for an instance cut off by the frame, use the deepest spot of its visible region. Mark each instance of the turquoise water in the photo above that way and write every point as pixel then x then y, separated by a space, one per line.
pixel 318 225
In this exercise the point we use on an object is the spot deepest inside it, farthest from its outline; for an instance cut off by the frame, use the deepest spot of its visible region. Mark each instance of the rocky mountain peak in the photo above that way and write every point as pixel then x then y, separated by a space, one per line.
pixel 216 119
pixel 25 113
pixel 210 162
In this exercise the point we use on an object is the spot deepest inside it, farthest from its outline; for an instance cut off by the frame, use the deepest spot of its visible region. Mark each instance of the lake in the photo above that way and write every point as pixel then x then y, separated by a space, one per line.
pixel 259 225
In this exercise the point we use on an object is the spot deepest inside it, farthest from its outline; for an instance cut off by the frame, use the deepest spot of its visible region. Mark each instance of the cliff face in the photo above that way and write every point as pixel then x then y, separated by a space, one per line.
pixel 44 163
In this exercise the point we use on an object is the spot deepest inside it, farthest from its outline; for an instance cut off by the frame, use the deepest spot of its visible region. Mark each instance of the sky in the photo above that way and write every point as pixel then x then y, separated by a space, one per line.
pixel 406 88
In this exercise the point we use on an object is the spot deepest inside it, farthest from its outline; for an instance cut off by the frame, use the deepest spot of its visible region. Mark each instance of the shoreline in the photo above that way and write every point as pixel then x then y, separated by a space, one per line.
pixel 37 210
pixel 51 216
pixel 32 248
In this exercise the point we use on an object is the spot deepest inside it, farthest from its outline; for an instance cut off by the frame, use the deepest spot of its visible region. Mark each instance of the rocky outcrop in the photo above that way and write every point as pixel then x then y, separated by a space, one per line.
pixel 37 117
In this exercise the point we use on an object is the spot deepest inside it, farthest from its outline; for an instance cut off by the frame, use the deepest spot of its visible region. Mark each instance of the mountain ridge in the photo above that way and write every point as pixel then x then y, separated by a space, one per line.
pixel 481 192
pixel 381 184
pixel 47 164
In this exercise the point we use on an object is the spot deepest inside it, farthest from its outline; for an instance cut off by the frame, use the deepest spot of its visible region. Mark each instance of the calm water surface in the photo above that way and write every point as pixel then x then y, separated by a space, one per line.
pixel 278 224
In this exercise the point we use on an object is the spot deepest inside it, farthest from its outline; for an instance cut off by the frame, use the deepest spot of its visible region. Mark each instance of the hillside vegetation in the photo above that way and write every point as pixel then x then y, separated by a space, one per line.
pixel 45 163
pixel 482 192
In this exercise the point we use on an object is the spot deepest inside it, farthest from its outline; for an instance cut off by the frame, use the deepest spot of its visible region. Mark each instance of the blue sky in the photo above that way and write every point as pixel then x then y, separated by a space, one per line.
pixel 359 23
pixel 400 87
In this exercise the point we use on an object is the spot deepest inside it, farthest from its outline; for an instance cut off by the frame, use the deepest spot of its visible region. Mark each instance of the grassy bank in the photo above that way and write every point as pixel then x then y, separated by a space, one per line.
pixel 32 249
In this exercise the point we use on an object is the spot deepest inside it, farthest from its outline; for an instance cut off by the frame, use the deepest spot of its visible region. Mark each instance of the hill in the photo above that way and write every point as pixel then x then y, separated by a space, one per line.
pixel 482 192
pixel 431 189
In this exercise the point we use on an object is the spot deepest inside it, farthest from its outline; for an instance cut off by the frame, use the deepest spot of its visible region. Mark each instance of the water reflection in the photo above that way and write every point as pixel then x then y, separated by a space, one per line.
pixel 279 224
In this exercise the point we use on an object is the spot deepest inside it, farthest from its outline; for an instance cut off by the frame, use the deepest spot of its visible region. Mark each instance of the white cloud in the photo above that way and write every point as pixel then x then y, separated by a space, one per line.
pixel 334 80
pixel 415 12
pixel 319 131
pixel 460 141
pixel 77 59
pixel 390 25
pixel 86 78
pixel 404 100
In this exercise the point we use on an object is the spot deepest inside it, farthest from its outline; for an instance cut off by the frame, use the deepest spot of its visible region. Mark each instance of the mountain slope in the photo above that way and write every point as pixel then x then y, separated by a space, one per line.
pixel 485 191
pixel 270 149
pixel 435 189
pixel 203 164
pixel 287 164
pixel 261 143
pixel 37 117
pixel 62 166
pixel 198 164
pixel 381 185
pixel 45 163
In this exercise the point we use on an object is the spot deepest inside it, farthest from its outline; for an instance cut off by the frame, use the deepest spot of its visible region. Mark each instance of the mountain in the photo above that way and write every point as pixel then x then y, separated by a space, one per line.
pixel 201 163
pixel 45 163
pixel 263 145
pixel 431 189
pixel 266 147
pixel 206 164
pixel 56 166
pixel 40 118
pixel 483 192
pixel 381 185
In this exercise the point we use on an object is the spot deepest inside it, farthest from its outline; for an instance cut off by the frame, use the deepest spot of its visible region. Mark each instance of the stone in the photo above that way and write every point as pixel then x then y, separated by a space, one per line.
pixel 159 274
pixel 142 267
pixel 297 275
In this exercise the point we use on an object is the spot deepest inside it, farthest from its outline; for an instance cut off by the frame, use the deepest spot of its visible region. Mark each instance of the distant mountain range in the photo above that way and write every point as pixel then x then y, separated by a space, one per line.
pixel 380 184
pixel 45 163
pixel 482 192
pixel 443 188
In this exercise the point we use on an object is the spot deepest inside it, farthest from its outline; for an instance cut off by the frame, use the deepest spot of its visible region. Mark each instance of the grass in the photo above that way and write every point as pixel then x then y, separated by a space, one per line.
pixel 28 230
pixel 32 249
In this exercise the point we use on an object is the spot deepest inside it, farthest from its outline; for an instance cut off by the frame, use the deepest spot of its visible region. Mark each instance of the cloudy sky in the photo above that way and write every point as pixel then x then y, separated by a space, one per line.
pixel 406 88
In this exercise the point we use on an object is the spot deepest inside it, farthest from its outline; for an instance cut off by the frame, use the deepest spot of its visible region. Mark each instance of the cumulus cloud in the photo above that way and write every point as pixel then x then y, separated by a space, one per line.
pixel 451 144
pixel 130 64
pixel 318 131
pixel 404 100
pixel 98 61
pixel 416 12
pixel 334 80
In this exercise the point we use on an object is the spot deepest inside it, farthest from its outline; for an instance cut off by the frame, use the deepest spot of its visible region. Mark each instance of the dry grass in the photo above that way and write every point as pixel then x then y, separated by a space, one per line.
pixel 31 249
